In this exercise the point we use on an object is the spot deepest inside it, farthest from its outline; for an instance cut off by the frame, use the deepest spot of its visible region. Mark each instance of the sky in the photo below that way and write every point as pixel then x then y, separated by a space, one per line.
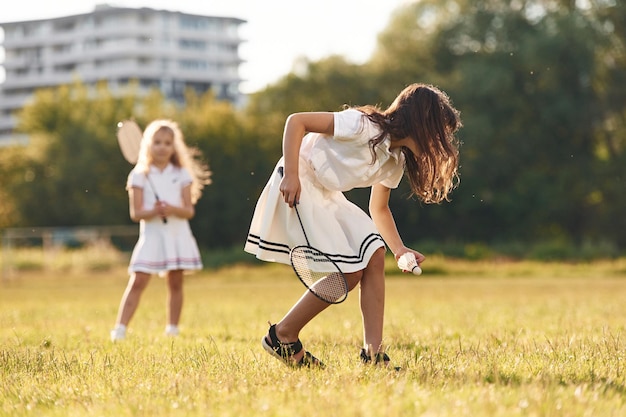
pixel 277 32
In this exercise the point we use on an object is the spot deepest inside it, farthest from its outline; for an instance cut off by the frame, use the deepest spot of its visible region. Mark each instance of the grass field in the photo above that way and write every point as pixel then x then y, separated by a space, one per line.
pixel 473 339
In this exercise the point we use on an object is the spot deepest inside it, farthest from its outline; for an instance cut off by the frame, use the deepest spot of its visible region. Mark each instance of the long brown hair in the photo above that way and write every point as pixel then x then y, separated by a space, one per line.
pixel 425 114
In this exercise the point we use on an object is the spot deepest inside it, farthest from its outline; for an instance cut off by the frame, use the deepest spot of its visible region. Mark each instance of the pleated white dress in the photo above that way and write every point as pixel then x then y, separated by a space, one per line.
pixel 329 165
pixel 162 246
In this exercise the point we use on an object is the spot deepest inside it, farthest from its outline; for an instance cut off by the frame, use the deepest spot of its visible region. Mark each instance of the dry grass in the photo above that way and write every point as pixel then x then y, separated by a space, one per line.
pixel 473 339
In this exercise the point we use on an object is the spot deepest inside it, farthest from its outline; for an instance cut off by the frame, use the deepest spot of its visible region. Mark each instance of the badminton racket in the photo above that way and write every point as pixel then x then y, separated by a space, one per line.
pixel 129 137
pixel 316 270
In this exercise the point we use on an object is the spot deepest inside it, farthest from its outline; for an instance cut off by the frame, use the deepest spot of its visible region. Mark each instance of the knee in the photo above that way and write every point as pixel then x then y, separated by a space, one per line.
pixel 139 282
pixel 376 263
pixel 176 286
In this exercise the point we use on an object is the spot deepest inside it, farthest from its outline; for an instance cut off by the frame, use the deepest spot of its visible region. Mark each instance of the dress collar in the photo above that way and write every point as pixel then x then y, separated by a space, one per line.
pixel 155 170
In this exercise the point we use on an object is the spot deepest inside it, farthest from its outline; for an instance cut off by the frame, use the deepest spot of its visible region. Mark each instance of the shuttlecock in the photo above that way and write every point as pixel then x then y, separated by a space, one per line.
pixel 408 263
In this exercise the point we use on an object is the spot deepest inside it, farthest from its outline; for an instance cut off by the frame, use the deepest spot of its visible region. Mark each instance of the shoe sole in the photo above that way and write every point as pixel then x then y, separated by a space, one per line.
pixel 287 362
pixel 272 352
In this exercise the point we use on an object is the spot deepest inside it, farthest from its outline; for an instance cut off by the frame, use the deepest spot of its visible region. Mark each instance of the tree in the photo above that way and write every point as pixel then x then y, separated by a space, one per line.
pixel 541 86
pixel 70 172
pixel 522 74
pixel 525 83
pixel 239 165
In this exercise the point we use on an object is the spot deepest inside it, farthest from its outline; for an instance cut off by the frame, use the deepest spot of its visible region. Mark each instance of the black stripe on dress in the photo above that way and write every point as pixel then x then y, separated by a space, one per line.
pixel 268 246
pixel 338 258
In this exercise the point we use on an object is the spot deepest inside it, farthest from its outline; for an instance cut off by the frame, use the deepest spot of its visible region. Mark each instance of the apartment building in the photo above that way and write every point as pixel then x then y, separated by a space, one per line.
pixel 169 50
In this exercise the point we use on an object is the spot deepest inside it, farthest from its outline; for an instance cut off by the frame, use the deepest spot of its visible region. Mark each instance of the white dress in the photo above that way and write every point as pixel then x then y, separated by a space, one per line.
pixel 163 246
pixel 328 166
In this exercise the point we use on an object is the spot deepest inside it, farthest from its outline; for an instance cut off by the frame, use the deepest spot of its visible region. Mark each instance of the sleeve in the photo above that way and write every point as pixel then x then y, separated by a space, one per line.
pixel 135 179
pixel 185 177
pixel 393 180
pixel 348 123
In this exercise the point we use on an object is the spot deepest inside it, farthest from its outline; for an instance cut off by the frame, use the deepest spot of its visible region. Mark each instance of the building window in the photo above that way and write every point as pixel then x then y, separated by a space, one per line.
pixel 64 27
pixel 63 49
pixel 193 64
pixel 193 22
pixel 192 44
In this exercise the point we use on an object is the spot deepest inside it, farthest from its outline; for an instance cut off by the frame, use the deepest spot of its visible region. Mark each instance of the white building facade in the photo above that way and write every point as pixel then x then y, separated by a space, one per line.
pixel 171 51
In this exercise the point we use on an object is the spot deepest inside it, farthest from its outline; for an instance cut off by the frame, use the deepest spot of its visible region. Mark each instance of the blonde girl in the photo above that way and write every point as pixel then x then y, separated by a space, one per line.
pixel 163 188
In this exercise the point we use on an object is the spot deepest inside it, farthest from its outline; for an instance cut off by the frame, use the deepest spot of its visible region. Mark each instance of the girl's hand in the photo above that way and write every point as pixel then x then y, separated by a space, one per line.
pixel 290 188
pixel 418 256
pixel 163 209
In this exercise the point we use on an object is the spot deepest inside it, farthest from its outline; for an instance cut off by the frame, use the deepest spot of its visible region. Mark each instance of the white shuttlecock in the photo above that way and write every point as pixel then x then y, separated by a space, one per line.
pixel 408 263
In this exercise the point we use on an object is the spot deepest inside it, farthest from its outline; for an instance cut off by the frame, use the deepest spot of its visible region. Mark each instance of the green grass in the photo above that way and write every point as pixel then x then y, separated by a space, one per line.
pixel 473 339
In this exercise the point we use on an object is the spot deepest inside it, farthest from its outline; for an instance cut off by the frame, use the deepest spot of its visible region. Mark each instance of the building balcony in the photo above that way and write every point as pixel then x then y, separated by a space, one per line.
pixel 14 101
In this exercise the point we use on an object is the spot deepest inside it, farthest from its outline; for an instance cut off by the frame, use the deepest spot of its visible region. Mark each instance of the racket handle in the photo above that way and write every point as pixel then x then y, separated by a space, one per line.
pixel 158 201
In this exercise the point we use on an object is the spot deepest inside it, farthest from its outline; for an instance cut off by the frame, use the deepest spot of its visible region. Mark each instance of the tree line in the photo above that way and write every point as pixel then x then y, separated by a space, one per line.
pixel 541 86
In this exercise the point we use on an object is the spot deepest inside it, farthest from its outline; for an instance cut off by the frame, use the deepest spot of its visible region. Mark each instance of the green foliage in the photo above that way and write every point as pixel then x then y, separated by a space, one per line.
pixel 527 83
pixel 239 166
pixel 72 172
pixel 225 257
pixel 541 89
pixel 538 124
pixel 326 85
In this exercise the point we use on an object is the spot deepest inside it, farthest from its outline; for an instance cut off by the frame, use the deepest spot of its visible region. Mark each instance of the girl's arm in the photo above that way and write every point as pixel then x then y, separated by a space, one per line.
pixel 161 209
pixel 296 126
pixel 385 223
pixel 135 204
pixel 186 211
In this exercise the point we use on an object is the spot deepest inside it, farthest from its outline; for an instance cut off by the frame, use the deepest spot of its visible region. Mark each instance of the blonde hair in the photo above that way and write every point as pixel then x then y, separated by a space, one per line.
pixel 183 155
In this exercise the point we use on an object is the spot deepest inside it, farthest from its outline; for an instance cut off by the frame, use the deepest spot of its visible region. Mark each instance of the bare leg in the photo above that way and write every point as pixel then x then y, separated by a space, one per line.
pixel 130 300
pixel 372 297
pixel 307 307
pixel 174 296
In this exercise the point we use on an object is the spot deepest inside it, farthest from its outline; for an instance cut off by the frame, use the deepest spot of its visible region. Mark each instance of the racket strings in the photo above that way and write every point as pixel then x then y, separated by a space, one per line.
pixel 319 274
pixel 129 136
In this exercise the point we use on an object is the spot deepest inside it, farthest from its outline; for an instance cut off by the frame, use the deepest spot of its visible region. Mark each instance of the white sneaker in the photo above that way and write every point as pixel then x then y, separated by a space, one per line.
pixel 172 330
pixel 118 333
